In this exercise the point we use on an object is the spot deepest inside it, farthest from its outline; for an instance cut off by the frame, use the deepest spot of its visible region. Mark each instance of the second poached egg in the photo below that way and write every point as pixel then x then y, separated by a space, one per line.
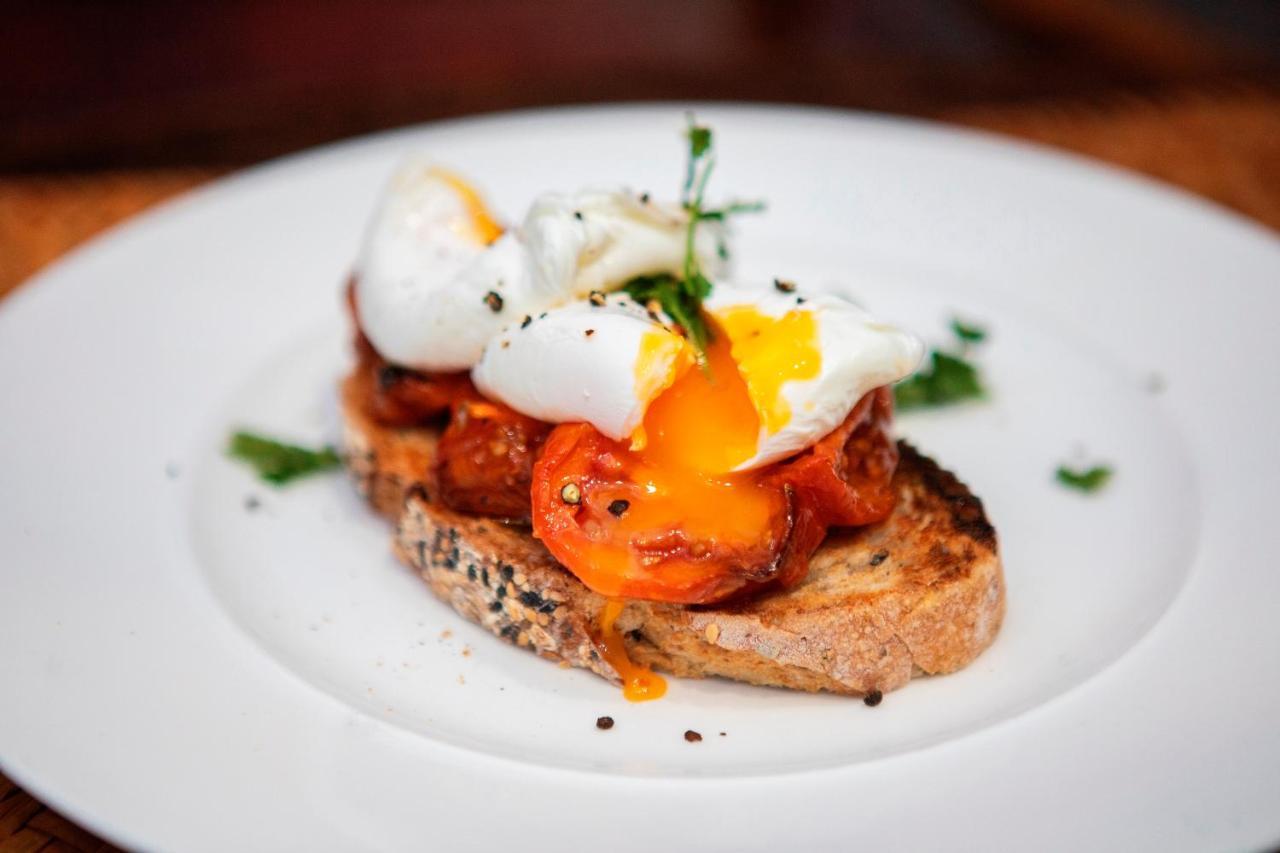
pixel 438 277
pixel 782 371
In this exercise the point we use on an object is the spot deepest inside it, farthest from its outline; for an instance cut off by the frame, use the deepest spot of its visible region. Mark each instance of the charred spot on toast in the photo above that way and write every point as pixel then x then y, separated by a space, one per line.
pixel 967 514
pixel 946 564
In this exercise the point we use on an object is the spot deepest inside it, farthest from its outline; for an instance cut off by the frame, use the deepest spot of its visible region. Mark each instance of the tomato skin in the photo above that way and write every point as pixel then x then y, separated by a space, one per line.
pixel 846 478
pixel 403 397
pixel 808 529
pixel 665 564
pixel 485 459
pixel 842 481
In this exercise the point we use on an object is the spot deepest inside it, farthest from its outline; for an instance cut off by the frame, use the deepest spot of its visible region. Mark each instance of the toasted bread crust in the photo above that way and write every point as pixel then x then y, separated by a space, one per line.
pixel 920 593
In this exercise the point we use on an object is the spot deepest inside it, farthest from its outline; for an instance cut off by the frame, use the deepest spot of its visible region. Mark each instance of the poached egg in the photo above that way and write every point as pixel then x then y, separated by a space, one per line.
pixel 782 371
pixel 438 277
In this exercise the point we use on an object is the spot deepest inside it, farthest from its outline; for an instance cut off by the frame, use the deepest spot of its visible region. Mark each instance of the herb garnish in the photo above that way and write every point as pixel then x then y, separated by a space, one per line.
pixel 680 297
pixel 967 333
pixel 950 378
pixel 685 309
pixel 1090 480
pixel 277 462
pixel 720 214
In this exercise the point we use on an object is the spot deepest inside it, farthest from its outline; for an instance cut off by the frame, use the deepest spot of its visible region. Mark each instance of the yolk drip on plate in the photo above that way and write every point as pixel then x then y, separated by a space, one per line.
pixel 639 683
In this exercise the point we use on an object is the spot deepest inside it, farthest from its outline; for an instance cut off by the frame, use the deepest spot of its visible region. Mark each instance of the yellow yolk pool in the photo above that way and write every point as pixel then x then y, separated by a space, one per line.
pixel 705 421
pixel 708 421
pixel 771 351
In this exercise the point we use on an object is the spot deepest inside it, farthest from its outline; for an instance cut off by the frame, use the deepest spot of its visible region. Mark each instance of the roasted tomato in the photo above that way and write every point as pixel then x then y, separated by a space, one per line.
pixel 843 480
pixel 630 529
pixel 485 459
pixel 847 476
pixel 403 397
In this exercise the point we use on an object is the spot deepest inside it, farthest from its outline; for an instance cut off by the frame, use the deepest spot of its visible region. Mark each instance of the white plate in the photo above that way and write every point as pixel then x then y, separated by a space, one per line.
pixel 185 672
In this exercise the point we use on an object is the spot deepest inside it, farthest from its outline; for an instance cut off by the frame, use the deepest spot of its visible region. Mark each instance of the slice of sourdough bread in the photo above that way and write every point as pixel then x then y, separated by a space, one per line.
pixel 921 593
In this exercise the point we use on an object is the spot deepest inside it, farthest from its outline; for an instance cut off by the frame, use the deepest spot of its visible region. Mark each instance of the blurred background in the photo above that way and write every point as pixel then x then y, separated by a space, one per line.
pixel 109 106
pixel 93 84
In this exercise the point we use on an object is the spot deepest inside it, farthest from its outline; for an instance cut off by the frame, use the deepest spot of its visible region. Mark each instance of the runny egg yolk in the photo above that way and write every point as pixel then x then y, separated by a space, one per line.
pixel 770 351
pixel 710 420
pixel 693 434
pixel 671 500
pixel 482 226
pixel 706 423
pixel 705 420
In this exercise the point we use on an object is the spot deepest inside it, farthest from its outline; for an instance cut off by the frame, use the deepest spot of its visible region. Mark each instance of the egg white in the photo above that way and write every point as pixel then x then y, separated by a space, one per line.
pixel 424 277
pixel 584 362
pixel 555 371
pixel 858 354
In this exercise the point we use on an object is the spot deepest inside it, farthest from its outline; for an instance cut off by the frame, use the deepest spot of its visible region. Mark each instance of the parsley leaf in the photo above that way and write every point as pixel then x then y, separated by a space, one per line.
pixel 948 379
pixel 675 300
pixel 700 142
pixel 277 462
pixel 699 139
pixel 967 333
pixel 1090 480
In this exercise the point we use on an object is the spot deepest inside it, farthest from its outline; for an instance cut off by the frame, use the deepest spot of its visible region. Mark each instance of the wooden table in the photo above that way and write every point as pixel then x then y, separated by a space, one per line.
pixel 1224 145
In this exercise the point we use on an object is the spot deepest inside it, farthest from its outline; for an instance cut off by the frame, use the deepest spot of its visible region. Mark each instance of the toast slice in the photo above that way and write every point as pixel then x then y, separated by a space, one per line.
pixel 920 593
